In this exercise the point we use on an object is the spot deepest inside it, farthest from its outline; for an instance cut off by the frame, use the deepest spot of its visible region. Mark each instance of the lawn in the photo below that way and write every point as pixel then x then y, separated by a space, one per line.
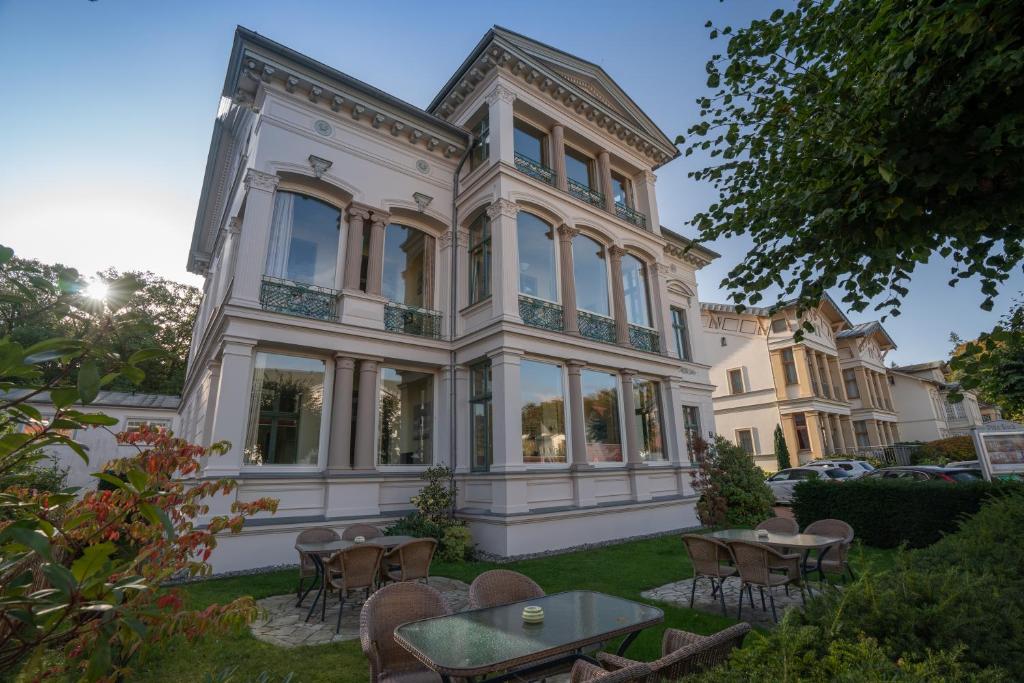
pixel 624 570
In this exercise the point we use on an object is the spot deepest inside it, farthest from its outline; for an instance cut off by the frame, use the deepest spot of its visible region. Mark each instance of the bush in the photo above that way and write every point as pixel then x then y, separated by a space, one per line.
pixel 885 513
pixel 731 487
pixel 456 544
pixel 434 517
pixel 943 451
pixel 781 449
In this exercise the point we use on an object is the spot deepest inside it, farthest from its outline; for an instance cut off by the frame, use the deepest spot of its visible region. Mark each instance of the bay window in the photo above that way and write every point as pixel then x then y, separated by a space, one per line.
pixel 406 415
pixel 537 276
pixel 601 416
pixel 285 410
pixel 648 419
pixel 304 238
pixel 543 412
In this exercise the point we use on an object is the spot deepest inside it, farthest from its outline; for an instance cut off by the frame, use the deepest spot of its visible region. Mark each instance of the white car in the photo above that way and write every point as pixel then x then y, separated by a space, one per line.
pixel 782 483
pixel 855 468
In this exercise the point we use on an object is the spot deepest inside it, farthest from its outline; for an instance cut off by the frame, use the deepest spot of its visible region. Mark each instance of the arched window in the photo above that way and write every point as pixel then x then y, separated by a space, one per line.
pixel 536 258
pixel 634 283
pixel 304 238
pixel 408 266
pixel 591 274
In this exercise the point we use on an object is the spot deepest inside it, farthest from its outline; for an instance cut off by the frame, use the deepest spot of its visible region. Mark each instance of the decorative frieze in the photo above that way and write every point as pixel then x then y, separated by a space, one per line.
pixel 258 180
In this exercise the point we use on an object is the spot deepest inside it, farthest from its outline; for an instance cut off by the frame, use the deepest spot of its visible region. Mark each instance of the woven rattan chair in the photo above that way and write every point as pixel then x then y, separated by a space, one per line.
pixel 307 569
pixel 779 525
pixel 412 560
pixel 367 531
pixel 684 653
pixel 759 565
pixel 712 560
pixel 353 569
pixel 837 559
pixel 384 611
pixel 585 672
pixel 500 587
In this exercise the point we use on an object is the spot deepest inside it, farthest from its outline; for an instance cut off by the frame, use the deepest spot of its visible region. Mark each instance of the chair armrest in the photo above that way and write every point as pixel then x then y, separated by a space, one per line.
pixel 583 671
pixel 675 638
pixel 612 662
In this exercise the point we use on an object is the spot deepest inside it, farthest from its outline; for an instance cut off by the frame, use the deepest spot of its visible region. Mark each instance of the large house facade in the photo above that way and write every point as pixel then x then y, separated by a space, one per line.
pixel 921 393
pixel 483 284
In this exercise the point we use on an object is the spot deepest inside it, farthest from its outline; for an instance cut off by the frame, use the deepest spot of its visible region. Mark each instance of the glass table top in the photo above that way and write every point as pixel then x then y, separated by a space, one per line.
pixel 495 638
pixel 335 546
pixel 775 538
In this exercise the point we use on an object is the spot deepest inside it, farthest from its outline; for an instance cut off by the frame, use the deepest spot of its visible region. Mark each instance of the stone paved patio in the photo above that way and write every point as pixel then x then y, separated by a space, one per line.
pixel 285 625
pixel 678 594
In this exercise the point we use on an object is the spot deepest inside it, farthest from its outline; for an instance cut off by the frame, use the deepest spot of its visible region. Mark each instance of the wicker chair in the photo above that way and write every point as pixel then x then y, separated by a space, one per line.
pixel 707 555
pixel 385 610
pixel 585 672
pixel 837 559
pixel 758 565
pixel 500 587
pixel 351 569
pixel 684 653
pixel 367 531
pixel 412 560
pixel 779 525
pixel 307 569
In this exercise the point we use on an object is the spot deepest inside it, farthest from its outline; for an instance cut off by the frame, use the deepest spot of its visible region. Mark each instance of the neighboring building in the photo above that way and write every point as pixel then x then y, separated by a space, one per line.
pixel 364 318
pixel 130 410
pixel 990 412
pixel 862 350
pixel 921 395
pixel 764 378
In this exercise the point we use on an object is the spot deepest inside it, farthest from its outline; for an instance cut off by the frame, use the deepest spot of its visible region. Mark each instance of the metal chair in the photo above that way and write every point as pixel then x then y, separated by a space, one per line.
pixel 500 587
pixel 307 568
pixel 351 569
pixel 412 559
pixel 384 611
pixel 836 560
pixel 684 653
pixel 755 563
pixel 707 556
pixel 367 531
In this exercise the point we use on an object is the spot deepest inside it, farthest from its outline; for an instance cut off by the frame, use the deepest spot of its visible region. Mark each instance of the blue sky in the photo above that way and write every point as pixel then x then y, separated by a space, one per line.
pixel 108 108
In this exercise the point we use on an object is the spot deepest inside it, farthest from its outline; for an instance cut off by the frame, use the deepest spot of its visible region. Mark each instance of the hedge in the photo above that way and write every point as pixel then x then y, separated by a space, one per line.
pixel 886 513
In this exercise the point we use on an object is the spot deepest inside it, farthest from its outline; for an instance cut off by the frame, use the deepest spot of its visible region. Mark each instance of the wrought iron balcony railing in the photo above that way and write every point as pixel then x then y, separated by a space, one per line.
pixel 296 298
pixel 589 195
pixel 540 313
pixel 627 213
pixel 644 339
pixel 598 327
pixel 534 169
pixel 421 322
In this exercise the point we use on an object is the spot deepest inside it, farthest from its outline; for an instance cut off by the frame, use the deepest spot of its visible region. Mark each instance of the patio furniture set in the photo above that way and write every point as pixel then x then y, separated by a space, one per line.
pixel 775 553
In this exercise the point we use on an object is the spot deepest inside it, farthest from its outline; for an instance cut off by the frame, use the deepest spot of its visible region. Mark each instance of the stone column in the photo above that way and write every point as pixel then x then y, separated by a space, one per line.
pixel 458 443
pixel 814 433
pixel 874 435
pixel 843 446
pixel 644 183
pixel 789 434
pixel 213 372
pixel 826 424
pixel 838 383
pixel 802 371
pixel 558 157
pixel 357 214
pixel 505 260
pixel 812 360
pixel 846 425
pixel 616 253
pixel 231 418
pixel 507 446
pixel 661 313
pixel 778 374
pixel 375 266
pixel 863 388
pixel 629 409
pixel 500 102
pixel 577 425
pixel 255 237
pixel 366 417
pixel 339 452
pixel 565 235
pixel 604 169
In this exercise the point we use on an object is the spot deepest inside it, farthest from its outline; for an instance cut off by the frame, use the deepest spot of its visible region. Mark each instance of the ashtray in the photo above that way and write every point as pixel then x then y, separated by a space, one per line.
pixel 359 539
pixel 533 614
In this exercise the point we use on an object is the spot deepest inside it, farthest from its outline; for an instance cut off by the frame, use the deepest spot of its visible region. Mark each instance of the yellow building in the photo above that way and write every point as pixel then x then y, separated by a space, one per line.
pixel 862 351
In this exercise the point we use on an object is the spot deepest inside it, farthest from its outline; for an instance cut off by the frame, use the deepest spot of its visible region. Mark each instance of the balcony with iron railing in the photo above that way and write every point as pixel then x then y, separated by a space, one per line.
pixel 539 313
pixel 421 322
pixel 587 194
pixel 297 298
pixel 644 339
pixel 597 327
pixel 627 213
pixel 534 169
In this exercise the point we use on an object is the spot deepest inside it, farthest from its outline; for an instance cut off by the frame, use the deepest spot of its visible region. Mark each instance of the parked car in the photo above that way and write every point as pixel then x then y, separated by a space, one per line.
pixel 855 468
pixel 927 473
pixel 969 464
pixel 783 482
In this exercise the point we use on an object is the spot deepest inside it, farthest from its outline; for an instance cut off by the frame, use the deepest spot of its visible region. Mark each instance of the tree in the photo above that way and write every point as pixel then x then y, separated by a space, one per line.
pixel 781 449
pixel 731 487
pixel 993 364
pixel 853 140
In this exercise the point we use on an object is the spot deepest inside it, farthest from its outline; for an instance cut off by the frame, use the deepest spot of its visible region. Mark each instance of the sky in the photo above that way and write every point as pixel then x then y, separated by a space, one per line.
pixel 108 107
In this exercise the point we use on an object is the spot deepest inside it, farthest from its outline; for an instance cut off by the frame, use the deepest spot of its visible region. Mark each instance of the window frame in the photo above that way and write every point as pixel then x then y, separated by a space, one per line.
pixel 430 260
pixel 646 278
pixel 340 255
pixel 802 444
pixel 789 373
pixel 852 390
pixel 660 405
pixel 739 441
pixel 434 398
pixel 681 333
pixel 627 189
pixel 571 152
pixel 566 426
pixel 620 411
pixel 690 430
pixel 484 249
pixel 536 133
pixel 729 374
pixel 608 274
pixel 556 262
pixel 485 399
pixel 481 130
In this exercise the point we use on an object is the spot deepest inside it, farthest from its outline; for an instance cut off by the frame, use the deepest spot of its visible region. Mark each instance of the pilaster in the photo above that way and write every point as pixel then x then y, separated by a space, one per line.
pixel 505 260
pixel 375 265
pixel 255 237
pixel 231 419
pixel 357 215
pixel 615 253
pixel 339 452
pixel 604 169
pixel 366 416
pixel 558 157
pixel 565 257
pixel 500 102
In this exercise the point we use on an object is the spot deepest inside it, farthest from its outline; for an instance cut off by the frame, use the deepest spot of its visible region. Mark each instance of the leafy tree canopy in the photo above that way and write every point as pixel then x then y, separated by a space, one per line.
pixel 993 364
pixel 853 139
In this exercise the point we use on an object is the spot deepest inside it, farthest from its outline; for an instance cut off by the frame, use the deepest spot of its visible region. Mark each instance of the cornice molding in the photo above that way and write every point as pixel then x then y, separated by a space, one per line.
pixel 502 207
pixel 258 180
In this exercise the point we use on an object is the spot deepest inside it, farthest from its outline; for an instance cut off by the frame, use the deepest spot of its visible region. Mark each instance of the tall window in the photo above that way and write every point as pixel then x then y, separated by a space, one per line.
pixel 634 283
pixel 591 274
pixel 620 190
pixel 736 381
pixel 811 373
pixel 789 366
pixel 482 136
pixel 955 411
pixel 803 441
pixel 745 440
pixel 860 433
pixel 408 266
pixel 601 416
pixel 577 167
pixel 285 410
pixel 304 238
pixel 850 379
pixel 529 142
pixel 481 417
pixel 691 425
pixel 536 257
pixel 682 333
pixel 826 383
pixel 480 259
pixel 648 419
pixel 543 412
pixel 779 325
pixel 406 417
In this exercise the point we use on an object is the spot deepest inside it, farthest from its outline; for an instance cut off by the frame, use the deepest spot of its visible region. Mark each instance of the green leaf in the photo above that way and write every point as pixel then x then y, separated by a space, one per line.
pixel 158 516
pixel 146 354
pixel 92 561
pixel 133 374
pixel 88 381
pixel 63 397
pixel 97 419
pixel 60 578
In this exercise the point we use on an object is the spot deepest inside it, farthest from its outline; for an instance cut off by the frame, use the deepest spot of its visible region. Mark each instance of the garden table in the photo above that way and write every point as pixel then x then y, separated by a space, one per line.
pixel 324 549
pixel 781 541
pixel 496 639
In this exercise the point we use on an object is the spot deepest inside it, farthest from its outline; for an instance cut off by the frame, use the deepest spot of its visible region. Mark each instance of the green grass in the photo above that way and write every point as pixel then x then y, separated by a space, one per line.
pixel 623 570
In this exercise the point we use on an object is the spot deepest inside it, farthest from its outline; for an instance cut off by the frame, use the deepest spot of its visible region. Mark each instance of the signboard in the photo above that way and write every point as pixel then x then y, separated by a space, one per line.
pixel 1000 449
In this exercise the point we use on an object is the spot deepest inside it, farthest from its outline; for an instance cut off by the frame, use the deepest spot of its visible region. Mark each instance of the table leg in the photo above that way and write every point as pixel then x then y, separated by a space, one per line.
pixel 626 642
pixel 319 564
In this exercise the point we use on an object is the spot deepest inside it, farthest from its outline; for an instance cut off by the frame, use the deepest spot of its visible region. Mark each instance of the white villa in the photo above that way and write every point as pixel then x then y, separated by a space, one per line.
pixel 483 284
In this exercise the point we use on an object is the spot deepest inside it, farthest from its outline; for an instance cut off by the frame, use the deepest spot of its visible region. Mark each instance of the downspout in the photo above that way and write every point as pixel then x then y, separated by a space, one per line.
pixel 452 303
